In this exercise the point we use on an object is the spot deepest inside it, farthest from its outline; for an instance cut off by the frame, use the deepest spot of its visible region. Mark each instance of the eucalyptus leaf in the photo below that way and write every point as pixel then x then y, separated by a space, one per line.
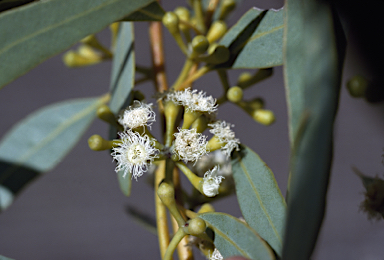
pixel 256 40
pixel 9 4
pixel 122 83
pixel 123 69
pixel 152 12
pixel 259 197
pixel 313 57
pixel 40 141
pixel 233 237
pixel 35 32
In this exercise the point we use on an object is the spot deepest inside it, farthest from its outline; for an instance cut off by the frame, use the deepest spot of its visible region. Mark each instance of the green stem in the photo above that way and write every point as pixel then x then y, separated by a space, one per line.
pixel 180 234
pixel 195 180
pixel 200 23
pixel 224 79
pixel 184 73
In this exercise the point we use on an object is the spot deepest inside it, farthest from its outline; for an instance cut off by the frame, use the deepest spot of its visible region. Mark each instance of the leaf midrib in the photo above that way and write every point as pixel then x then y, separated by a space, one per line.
pixel 260 201
pixel 50 137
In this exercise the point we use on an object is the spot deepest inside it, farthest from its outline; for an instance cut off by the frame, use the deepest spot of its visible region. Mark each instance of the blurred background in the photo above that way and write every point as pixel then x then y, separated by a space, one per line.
pixel 77 211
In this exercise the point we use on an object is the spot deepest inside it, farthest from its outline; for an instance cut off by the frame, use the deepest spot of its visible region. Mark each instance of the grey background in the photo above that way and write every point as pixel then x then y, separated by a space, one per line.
pixel 77 210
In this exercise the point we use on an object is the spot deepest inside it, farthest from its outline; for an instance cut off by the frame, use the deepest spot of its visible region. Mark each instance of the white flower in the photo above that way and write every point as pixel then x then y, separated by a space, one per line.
pixel 211 182
pixel 139 114
pixel 226 136
pixel 216 255
pixel 193 100
pixel 134 154
pixel 189 145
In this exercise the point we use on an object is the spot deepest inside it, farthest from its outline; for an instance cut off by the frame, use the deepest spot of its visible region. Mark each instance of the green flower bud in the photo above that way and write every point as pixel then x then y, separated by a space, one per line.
pixel 183 14
pixel 98 143
pixel 216 31
pixel 226 7
pixel 196 226
pixel 265 117
pixel 235 94
pixel 244 78
pixel 357 86
pixel 171 21
pixel 105 114
pixel 199 44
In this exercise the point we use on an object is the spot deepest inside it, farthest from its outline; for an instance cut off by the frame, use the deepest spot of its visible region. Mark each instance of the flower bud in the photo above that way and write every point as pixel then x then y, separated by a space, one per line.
pixel 196 226
pixel 235 94
pixel 171 21
pixel 105 114
pixel 263 116
pixel 85 57
pixel 98 143
pixel 216 31
pixel 199 44
pixel 227 6
pixel 183 14
pixel 357 86
pixel 244 78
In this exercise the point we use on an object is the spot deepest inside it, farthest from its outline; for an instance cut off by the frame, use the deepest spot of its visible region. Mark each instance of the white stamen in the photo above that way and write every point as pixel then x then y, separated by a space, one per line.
pixel 139 114
pixel 189 145
pixel 134 154
pixel 193 100
pixel 216 255
pixel 211 182
pixel 223 131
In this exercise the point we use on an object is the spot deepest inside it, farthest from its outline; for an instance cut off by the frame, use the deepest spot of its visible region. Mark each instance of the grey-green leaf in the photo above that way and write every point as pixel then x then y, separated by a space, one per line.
pixel 313 56
pixel 33 33
pixel 4 258
pixel 259 197
pixel 40 141
pixel 152 12
pixel 123 69
pixel 233 237
pixel 9 4
pixel 256 40
pixel 122 83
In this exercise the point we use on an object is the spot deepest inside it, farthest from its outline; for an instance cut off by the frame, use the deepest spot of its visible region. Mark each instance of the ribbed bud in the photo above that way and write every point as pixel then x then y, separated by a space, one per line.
pixel 216 31
pixel 235 94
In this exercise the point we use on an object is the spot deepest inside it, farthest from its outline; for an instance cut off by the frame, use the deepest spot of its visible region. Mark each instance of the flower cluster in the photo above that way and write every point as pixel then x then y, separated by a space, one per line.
pixel 137 149
pixel 193 100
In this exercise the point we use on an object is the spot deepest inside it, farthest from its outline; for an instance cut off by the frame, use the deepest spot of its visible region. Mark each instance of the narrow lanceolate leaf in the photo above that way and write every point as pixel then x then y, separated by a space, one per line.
pixel 122 82
pixel 152 12
pixel 233 237
pixel 314 52
pixel 123 68
pixel 256 40
pixel 259 197
pixel 40 141
pixel 35 32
